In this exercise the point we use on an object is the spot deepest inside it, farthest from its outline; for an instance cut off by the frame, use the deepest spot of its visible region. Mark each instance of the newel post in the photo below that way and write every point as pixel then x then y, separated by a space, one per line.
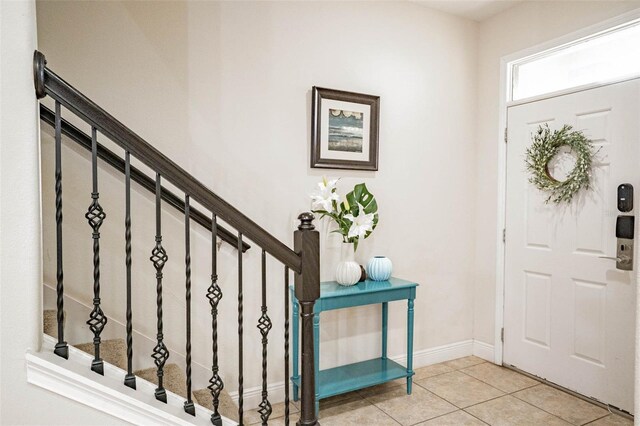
pixel 39 63
pixel 307 289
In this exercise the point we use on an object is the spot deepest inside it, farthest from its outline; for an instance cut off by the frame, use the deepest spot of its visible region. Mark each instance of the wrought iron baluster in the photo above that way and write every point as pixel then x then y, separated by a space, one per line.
pixel 61 349
pixel 264 325
pixel 130 378
pixel 240 330
pixel 214 294
pixel 159 258
pixel 286 346
pixel 189 407
pixel 95 216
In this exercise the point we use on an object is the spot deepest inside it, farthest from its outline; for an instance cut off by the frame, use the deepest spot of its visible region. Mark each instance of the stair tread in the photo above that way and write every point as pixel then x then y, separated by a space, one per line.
pixel 174 379
pixel 113 351
pixel 50 322
pixel 226 407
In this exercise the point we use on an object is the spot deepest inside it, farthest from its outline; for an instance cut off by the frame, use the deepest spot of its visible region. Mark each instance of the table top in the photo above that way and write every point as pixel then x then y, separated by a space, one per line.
pixel 330 289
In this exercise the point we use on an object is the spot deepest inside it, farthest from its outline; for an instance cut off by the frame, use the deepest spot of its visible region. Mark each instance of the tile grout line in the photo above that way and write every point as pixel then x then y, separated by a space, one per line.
pixel 599 418
pixel 381 410
pixel 505 392
pixel 421 421
pixel 579 399
pixel 476 417
pixel 443 398
pixel 472 405
pixel 541 409
pixel 366 396
pixel 475 378
pixel 512 393
pixel 482 402
pixel 609 408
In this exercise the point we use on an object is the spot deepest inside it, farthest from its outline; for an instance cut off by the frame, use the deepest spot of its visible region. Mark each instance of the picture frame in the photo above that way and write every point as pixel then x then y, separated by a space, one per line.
pixel 344 130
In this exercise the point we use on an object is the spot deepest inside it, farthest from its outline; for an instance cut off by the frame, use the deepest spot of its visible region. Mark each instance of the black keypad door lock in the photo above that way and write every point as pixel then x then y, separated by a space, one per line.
pixel 625 229
pixel 625 198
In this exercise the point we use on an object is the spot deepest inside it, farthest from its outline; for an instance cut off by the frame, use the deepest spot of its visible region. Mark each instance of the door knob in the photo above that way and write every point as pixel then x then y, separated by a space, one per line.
pixel 621 259
pixel 617 259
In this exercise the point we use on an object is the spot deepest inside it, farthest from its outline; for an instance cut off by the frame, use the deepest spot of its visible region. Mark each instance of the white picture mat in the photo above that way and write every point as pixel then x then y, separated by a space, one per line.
pixel 325 153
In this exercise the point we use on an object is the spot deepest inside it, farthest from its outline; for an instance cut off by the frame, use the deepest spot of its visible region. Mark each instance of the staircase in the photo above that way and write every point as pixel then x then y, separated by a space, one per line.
pixel 220 220
pixel 114 352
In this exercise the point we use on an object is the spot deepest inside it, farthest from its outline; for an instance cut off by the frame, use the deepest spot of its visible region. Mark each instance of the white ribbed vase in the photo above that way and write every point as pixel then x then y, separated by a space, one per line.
pixel 348 271
pixel 379 268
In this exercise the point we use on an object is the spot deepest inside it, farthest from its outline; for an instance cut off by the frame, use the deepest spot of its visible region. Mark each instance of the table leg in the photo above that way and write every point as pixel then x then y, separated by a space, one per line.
pixel 296 336
pixel 316 357
pixel 385 320
pixel 409 346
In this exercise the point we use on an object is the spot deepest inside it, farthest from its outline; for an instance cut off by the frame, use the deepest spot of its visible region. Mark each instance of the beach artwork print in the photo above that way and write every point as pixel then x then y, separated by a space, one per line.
pixel 345 130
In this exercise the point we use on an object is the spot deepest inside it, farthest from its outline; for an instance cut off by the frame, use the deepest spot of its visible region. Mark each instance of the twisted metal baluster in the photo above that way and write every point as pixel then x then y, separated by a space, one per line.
pixel 214 294
pixel 130 378
pixel 189 407
pixel 264 325
pixel 240 330
pixel 61 349
pixel 286 346
pixel 95 216
pixel 159 258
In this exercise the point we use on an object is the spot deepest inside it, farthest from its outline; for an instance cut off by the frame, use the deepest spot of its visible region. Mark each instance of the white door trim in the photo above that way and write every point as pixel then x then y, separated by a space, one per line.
pixel 505 90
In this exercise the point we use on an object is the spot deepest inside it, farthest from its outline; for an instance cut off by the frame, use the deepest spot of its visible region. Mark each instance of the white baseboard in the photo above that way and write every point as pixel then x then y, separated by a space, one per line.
pixel 253 396
pixel 484 350
pixel 438 354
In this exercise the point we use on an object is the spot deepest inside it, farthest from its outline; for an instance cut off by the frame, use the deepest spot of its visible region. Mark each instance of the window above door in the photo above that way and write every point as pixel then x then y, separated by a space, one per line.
pixel 603 57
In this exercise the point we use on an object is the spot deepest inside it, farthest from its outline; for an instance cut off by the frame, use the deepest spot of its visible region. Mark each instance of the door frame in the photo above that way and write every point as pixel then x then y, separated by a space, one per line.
pixel 506 79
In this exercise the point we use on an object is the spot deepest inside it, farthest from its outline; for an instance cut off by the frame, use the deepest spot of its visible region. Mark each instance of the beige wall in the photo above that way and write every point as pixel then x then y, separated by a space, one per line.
pixel 20 264
pixel 224 89
pixel 523 26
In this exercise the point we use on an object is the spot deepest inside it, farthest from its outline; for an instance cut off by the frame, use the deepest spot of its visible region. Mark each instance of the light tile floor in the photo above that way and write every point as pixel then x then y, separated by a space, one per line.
pixel 465 391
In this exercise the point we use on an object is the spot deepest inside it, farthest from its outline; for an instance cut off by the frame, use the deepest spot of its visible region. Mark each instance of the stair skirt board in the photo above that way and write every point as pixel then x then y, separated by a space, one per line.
pixel 76 331
pixel 73 379
pixel 76 314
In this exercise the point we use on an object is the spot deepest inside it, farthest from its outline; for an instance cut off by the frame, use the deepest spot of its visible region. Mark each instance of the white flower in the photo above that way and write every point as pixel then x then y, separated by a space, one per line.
pixel 326 194
pixel 360 224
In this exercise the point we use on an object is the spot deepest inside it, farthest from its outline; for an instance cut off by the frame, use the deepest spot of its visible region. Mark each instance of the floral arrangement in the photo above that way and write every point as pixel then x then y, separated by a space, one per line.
pixel 545 146
pixel 356 214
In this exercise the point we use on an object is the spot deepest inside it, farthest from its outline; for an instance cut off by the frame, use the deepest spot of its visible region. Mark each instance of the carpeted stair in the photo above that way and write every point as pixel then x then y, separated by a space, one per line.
pixel 114 352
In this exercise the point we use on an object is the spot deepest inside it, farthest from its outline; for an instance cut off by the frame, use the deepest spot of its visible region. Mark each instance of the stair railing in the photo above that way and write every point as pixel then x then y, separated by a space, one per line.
pixel 303 260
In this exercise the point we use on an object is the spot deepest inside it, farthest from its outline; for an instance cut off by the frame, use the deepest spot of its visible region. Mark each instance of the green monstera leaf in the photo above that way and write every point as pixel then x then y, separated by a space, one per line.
pixel 360 196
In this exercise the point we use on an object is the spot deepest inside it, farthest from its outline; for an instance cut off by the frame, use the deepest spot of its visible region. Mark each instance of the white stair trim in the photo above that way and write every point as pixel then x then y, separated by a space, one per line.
pixel 74 379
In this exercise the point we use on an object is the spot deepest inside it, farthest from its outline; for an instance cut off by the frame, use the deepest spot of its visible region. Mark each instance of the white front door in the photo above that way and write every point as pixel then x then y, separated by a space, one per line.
pixel 570 314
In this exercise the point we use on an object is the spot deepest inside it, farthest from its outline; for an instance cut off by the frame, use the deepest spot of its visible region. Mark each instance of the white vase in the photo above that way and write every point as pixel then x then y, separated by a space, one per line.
pixel 348 271
pixel 379 268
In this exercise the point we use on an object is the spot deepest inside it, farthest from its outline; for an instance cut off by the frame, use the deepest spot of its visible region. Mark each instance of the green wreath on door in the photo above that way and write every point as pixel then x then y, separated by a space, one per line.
pixel 545 146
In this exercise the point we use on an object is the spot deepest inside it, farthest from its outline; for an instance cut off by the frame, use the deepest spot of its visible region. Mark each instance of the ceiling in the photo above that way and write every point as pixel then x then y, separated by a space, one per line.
pixel 477 10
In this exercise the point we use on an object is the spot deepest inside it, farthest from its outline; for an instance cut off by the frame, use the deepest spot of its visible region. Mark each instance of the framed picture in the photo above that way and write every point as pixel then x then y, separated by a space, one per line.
pixel 344 130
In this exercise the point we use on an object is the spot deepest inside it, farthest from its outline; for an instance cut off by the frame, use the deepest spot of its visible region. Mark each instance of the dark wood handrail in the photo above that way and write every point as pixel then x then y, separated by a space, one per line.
pixel 48 83
pixel 146 182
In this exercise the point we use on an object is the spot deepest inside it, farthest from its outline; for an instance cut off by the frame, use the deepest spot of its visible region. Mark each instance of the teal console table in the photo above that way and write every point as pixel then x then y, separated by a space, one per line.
pixel 346 378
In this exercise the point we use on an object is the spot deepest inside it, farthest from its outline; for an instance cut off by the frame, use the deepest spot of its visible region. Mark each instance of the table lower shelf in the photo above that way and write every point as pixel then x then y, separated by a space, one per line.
pixel 346 378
